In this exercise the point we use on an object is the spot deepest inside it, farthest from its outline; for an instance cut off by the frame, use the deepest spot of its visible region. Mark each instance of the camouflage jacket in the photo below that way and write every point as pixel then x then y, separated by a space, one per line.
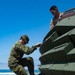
pixel 18 51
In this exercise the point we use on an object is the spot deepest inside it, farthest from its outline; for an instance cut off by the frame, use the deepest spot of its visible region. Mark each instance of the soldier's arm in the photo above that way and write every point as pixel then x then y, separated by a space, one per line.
pixel 26 49
pixel 29 50
pixel 51 24
pixel 34 48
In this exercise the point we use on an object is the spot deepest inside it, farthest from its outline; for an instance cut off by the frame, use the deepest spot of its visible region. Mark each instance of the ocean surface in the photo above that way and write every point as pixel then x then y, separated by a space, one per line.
pixel 9 72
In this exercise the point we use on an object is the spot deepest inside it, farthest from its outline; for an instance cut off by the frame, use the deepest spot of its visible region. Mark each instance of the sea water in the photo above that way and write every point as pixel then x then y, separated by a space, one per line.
pixel 9 72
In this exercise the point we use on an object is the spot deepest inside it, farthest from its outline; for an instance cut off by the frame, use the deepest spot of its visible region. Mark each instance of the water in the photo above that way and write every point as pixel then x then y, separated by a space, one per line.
pixel 5 70
pixel 9 72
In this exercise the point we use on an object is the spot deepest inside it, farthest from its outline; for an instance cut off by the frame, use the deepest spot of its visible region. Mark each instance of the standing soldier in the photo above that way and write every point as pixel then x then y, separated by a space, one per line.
pixel 57 16
pixel 16 63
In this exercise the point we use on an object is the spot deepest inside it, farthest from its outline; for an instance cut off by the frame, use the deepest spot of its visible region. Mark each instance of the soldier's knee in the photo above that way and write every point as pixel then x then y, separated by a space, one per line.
pixel 30 58
pixel 30 61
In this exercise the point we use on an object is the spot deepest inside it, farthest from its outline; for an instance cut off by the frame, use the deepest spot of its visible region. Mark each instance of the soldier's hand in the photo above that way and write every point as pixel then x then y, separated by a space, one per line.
pixel 38 45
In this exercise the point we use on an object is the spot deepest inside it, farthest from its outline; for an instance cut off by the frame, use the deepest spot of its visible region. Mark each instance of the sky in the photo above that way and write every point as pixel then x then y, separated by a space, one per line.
pixel 30 17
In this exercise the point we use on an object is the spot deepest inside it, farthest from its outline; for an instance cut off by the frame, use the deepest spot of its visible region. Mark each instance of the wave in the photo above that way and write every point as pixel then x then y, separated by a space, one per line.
pixel 9 73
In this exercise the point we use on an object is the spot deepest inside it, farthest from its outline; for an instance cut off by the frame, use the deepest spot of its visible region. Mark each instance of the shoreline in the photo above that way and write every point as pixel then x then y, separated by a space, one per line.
pixel 9 73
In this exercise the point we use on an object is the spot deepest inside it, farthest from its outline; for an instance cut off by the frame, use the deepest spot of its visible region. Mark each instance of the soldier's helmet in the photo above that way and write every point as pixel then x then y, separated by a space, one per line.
pixel 25 38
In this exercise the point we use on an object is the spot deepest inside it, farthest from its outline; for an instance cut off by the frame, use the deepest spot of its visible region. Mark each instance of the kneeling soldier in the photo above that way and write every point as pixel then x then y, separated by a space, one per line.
pixel 16 63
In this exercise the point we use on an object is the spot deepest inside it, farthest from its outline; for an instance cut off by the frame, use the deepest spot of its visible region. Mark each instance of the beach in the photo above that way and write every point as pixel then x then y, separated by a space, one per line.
pixel 9 72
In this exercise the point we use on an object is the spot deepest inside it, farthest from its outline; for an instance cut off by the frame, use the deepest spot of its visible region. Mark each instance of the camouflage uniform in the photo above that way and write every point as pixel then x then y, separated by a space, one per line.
pixel 16 63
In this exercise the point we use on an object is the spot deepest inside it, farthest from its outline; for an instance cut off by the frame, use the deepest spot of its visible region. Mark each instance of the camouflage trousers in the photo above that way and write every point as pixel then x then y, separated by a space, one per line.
pixel 18 68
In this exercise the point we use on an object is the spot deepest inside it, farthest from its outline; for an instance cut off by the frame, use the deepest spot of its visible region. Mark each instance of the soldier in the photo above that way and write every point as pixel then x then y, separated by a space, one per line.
pixel 57 16
pixel 16 63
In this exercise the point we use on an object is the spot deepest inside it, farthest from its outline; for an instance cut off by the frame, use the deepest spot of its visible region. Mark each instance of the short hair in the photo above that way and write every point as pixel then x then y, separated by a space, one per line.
pixel 53 7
